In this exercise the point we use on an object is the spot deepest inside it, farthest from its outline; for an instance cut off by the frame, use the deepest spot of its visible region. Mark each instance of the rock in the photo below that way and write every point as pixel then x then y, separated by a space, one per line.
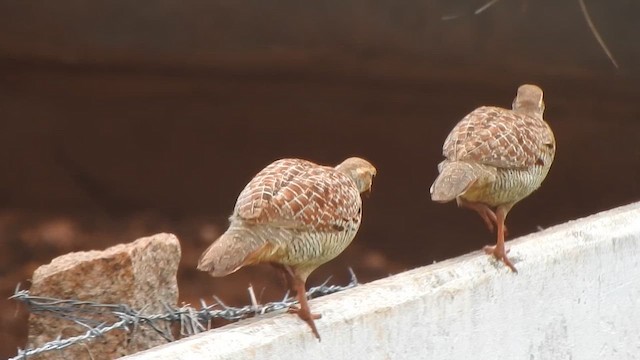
pixel 141 274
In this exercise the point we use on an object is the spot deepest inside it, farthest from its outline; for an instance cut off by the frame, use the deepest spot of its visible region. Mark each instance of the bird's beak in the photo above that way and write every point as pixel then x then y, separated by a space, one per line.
pixel 367 193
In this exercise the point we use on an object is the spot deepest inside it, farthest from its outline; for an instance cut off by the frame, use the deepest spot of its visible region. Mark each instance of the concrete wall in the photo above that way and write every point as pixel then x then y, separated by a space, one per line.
pixel 576 297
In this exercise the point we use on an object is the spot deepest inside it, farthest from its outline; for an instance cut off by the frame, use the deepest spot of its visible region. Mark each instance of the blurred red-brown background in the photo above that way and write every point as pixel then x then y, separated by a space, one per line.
pixel 122 119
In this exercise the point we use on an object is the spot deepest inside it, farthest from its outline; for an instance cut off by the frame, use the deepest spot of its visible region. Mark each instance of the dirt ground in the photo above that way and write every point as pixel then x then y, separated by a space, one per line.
pixel 99 152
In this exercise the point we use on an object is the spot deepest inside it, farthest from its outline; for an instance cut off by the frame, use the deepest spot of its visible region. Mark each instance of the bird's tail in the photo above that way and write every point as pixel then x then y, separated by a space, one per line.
pixel 454 179
pixel 237 247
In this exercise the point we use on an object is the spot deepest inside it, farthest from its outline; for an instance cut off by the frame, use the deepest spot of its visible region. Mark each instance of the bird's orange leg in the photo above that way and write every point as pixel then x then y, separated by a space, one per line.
pixel 304 312
pixel 498 251
pixel 484 211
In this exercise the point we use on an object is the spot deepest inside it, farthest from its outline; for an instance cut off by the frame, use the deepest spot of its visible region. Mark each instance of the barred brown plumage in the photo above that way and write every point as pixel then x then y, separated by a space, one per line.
pixel 296 215
pixel 496 157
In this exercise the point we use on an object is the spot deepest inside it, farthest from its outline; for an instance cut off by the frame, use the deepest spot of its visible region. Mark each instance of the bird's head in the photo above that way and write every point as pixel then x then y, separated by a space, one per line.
pixel 529 100
pixel 360 171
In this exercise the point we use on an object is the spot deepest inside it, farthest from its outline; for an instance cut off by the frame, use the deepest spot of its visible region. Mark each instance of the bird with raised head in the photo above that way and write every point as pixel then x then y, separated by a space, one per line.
pixel 496 157
pixel 295 215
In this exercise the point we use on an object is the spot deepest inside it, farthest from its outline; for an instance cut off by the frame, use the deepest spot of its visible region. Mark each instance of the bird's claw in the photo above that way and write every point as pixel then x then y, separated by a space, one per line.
pixel 307 317
pixel 501 255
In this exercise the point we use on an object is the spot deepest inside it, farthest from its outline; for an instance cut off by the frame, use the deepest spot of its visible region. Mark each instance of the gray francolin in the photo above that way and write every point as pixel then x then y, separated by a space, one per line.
pixel 496 157
pixel 295 215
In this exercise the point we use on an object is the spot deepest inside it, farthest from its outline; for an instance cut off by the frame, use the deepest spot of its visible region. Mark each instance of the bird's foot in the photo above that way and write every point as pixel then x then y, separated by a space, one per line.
pixel 302 314
pixel 500 254
pixel 307 317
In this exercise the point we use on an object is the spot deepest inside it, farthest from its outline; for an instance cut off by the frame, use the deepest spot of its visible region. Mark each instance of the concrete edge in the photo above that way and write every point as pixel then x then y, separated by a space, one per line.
pixel 554 245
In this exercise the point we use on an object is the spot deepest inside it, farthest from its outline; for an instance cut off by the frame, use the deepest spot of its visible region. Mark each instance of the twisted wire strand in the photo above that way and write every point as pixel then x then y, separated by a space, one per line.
pixel 191 320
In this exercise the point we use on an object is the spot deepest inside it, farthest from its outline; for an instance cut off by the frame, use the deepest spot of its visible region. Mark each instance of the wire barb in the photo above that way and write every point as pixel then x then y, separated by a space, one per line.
pixel 596 34
pixel 485 6
pixel 192 321
pixel 585 14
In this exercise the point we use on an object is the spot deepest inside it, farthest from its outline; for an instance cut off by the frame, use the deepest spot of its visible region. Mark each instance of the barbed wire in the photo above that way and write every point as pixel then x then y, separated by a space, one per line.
pixel 585 15
pixel 192 321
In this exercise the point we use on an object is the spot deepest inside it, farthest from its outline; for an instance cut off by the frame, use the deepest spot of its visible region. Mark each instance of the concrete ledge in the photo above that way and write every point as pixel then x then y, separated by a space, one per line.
pixel 577 296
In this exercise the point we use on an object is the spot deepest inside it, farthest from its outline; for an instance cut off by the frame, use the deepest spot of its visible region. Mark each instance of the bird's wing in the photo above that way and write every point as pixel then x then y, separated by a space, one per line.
pixel 499 137
pixel 299 194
